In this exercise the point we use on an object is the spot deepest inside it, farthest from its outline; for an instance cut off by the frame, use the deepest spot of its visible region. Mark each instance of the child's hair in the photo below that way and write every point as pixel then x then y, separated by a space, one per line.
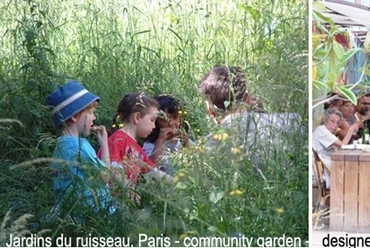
pixel 224 83
pixel 168 104
pixel 91 106
pixel 132 103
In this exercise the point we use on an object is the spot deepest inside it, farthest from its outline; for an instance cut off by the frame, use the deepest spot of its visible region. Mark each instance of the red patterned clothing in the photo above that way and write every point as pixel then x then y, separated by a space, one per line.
pixel 125 150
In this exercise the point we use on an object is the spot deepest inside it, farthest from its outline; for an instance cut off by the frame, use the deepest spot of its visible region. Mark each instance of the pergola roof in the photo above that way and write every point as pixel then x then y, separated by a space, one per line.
pixel 349 15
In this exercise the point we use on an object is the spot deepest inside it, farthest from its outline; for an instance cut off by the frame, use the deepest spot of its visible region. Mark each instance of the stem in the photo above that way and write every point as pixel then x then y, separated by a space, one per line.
pixel 164 216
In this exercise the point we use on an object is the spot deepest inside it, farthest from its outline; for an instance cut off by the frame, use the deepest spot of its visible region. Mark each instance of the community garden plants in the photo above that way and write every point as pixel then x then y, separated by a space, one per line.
pixel 115 47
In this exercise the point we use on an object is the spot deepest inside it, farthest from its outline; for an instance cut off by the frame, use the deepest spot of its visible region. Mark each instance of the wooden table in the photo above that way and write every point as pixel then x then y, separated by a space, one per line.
pixel 350 191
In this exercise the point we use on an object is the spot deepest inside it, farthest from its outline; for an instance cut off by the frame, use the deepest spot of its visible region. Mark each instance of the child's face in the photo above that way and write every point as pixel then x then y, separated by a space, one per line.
pixel 146 123
pixel 86 121
pixel 174 121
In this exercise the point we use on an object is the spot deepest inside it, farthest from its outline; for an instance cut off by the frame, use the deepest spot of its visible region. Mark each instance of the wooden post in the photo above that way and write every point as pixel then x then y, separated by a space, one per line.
pixel 351 163
pixel 337 191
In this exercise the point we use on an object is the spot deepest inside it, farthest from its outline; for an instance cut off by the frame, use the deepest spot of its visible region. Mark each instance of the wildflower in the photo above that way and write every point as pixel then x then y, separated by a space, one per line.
pixel 198 130
pixel 114 125
pixel 120 125
pixel 175 179
pixel 279 210
pixel 236 192
pixel 183 236
pixel 222 136
pixel 236 150
pixel 181 174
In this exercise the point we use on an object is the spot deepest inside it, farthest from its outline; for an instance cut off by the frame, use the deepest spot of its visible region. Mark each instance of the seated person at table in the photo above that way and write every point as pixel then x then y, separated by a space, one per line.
pixel 325 142
pixel 334 103
pixel 362 107
pixel 362 112
pixel 349 119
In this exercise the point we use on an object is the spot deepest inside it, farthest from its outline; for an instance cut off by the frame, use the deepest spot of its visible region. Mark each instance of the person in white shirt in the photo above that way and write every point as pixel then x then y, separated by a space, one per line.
pixel 325 142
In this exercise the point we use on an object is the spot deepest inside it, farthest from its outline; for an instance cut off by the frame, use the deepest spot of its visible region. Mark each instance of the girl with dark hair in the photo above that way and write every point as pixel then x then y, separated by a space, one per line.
pixel 138 113
pixel 168 136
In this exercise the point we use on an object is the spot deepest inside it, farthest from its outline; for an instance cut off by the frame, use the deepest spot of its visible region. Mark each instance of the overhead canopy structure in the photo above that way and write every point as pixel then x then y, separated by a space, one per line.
pixel 354 16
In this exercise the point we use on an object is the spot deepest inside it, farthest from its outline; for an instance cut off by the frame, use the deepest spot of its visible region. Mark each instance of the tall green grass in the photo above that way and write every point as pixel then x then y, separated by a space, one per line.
pixel 114 47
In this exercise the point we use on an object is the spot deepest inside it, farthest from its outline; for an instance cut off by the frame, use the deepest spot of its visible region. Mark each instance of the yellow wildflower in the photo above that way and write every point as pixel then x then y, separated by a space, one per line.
pixel 222 136
pixel 236 150
pixel 175 179
pixel 181 174
pixel 120 125
pixel 279 210
pixel 236 192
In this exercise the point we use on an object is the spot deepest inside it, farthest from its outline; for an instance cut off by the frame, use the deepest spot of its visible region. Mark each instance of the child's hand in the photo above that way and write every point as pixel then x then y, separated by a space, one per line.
pixel 185 139
pixel 166 133
pixel 102 134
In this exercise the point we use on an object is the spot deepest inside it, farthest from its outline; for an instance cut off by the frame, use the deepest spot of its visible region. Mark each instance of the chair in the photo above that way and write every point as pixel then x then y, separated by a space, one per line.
pixel 324 193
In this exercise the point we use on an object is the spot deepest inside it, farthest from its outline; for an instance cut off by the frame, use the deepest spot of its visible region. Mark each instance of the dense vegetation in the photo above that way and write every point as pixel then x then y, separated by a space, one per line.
pixel 114 47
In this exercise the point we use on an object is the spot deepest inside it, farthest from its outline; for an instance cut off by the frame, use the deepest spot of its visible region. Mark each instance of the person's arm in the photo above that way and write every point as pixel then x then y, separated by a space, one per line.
pixel 152 171
pixel 344 129
pixel 159 175
pixel 164 134
pixel 103 142
pixel 339 143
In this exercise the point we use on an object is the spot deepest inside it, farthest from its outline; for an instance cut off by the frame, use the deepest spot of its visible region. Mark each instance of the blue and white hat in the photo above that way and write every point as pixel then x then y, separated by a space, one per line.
pixel 69 100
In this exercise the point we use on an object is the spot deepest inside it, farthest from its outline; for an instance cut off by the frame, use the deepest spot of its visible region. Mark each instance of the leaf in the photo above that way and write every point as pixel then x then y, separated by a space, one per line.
pixel 253 12
pixel 343 59
pixel 332 58
pixel 338 49
pixel 212 228
pixel 216 196
pixel 319 50
pixel 332 79
pixel 349 94
pixel 318 84
pixel 318 22
pixel 366 69
pixel 319 17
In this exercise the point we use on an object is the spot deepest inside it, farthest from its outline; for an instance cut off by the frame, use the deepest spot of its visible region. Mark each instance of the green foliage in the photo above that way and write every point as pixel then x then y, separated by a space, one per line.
pixel 116 47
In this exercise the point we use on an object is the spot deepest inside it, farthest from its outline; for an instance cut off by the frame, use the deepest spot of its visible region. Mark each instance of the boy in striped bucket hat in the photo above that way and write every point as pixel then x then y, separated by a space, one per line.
pixel 78 180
